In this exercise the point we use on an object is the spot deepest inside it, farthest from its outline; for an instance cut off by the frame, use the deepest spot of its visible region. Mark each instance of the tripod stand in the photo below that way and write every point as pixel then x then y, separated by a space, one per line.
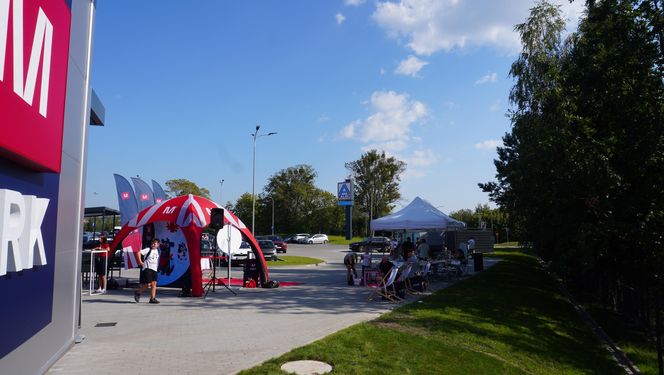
pixel 213 280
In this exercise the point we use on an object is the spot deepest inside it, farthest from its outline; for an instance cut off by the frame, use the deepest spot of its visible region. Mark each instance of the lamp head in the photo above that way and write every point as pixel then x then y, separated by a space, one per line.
pixel 258 127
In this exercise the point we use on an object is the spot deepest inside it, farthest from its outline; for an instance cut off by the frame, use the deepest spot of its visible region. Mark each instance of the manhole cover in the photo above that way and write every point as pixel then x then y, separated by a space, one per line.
pixel 306 367
pixel 110 324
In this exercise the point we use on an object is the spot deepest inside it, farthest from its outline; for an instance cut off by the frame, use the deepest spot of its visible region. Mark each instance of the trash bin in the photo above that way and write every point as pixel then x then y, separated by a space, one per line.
pixel 478 259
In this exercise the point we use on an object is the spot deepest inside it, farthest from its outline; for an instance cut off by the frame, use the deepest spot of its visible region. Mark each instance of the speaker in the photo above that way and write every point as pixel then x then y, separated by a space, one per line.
pixel 217 218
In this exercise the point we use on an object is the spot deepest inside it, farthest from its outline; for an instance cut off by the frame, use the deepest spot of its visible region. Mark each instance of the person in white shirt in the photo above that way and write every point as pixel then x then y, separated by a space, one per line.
pixel 471 246
pixel 149 262
pixel 366 262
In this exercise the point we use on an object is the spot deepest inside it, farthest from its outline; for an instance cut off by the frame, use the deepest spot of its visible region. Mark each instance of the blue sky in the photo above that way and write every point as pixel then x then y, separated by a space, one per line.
pixel 185 83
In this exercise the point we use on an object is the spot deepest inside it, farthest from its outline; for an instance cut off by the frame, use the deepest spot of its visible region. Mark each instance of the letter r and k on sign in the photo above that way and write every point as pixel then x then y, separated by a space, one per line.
pixel 21 242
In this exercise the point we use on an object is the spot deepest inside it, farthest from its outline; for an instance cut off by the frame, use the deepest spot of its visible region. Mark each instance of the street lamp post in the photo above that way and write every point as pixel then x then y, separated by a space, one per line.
pixel 253 177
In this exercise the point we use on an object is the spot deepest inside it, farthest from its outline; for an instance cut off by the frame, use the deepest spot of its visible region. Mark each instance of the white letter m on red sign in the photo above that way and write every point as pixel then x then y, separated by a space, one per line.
pixel 43 40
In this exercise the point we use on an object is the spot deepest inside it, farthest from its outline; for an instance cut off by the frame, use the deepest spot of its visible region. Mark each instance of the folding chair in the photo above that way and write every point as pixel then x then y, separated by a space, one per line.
pixel 405 273
pixel 383 287
pixel 424 274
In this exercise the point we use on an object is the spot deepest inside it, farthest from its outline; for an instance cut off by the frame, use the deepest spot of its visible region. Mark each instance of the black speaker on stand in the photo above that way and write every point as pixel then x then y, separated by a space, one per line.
pixel 216 222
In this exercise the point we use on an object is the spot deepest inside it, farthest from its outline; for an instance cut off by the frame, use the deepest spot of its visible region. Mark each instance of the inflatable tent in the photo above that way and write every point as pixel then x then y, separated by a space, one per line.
pixel 178 224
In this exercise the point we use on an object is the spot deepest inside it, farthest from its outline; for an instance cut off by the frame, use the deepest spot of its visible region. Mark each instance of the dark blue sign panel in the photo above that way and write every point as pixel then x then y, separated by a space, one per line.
pixel 27 295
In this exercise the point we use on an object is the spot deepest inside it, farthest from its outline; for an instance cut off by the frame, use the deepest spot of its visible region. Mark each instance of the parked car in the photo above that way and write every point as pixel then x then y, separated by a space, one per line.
pixel 298 238
pixel 208 248
pixel 268 249
pixel 239 254
pixel 317 238
pixel 381 244
pixel 279 243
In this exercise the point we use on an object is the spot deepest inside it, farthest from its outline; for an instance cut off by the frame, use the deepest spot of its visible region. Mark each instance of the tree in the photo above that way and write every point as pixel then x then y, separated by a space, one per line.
pixel 181 186
pixel 376 180
pixel 242 208
pixel 581 171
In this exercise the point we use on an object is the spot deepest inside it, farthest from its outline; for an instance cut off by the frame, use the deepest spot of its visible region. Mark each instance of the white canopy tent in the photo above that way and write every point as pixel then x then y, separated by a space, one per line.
pixel 418 215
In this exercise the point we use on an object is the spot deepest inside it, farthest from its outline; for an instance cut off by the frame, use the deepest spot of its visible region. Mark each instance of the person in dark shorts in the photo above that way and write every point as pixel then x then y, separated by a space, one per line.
pixel 149 261
pixel 101 264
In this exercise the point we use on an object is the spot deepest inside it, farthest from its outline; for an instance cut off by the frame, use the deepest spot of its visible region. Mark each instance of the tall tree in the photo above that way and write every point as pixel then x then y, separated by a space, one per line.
pixel 242 208
pixel 376 180
pixel 294 195
pixel 181 186
pixel 582 168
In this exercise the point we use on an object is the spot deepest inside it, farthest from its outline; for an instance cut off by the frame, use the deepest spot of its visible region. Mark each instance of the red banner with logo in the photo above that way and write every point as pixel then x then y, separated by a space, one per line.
pixel 34 49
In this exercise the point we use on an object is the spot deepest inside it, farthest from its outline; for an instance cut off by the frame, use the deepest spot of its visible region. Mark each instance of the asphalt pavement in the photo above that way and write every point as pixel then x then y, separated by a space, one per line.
pixel 223 333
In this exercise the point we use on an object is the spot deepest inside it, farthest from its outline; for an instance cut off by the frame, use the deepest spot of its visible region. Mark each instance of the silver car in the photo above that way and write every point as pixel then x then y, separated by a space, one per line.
pixel 317 238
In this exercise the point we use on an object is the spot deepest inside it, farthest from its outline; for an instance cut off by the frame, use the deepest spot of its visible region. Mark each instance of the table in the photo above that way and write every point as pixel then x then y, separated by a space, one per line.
pixel 92 264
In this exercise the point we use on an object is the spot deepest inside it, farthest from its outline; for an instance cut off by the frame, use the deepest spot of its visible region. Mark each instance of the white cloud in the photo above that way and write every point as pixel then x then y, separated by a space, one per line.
pixel 323 118
pixel 429 26
pixel 353 2
pixel 410 66
pixel 382 71
pixel 340 18
pixel 495 106
pixel 389 126
pixel 489 78
pixel 421 158
pixel 490 144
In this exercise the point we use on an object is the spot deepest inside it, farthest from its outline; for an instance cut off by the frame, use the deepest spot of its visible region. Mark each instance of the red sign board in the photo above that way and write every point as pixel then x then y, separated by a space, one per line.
pixel 34 49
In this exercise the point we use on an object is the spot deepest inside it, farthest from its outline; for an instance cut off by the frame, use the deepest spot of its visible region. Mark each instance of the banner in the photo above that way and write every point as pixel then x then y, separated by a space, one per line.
pixel 159 194
pixel 144 195
pixel 126 199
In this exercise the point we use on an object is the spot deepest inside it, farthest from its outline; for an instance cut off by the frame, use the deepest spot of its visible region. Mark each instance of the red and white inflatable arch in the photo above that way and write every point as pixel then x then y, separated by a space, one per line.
pixel 191 214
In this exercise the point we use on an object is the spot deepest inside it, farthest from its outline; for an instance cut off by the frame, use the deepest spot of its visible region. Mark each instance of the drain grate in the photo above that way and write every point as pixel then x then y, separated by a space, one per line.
pixel 109 324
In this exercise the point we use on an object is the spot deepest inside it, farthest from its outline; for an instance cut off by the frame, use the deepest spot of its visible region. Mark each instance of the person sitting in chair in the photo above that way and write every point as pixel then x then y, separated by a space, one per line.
pixel 385 266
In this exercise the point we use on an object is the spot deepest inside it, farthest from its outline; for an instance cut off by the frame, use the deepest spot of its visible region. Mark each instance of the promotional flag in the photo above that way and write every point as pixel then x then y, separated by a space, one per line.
pixel 126 199
pixel 159 194
pixel 144 195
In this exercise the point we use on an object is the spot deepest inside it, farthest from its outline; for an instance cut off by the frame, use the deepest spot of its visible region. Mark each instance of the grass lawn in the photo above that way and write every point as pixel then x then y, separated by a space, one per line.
pixel 508 320
pixel 641 351
pixel 341 240
pixel 290 260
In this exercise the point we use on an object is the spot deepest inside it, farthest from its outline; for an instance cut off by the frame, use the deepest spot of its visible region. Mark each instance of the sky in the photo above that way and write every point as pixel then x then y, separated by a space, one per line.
pixel 185 84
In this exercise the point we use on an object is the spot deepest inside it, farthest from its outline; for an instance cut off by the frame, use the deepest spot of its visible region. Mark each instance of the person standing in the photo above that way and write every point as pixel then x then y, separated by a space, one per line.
pixel 149 262
pixel 366 262
pixel 423 250
pixel 471 246
pixel 101 264
pixel 349 262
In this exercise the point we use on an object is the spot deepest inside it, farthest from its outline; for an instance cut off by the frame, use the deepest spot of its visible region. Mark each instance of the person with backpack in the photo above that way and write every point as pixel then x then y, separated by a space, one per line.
pixel 149 262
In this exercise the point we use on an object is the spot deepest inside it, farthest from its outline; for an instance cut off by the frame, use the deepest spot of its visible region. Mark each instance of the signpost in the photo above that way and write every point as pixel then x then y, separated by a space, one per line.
pixel 345 198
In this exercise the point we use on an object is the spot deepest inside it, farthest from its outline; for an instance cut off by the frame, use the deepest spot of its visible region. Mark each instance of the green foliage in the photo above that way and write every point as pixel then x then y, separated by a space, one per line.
pixel 299 206
pixel 510 319
pixel 242 208
pixel 376 182
pixel 181 186
pixel 582 171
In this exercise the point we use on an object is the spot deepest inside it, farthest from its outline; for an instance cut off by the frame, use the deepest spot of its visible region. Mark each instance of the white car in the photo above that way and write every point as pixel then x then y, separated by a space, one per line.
pixel 318 238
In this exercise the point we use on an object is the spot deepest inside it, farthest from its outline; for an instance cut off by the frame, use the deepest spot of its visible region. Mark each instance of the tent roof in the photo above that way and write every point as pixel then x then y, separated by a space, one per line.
pixel 418 215
pixel 100 211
